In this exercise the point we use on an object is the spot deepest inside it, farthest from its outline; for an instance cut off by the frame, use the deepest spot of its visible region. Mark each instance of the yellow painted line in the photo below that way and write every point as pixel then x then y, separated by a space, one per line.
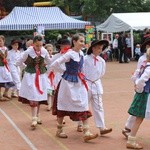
pixel 43 129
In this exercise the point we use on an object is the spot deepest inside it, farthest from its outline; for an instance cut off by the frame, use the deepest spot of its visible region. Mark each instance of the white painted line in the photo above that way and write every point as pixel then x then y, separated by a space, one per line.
pixel 18 130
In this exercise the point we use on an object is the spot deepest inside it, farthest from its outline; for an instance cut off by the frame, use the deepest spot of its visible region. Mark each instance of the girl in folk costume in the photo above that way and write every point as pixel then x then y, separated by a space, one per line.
pixel 94 70
pixel 140 65
pixel 5 75
pixel 140 107
pixel 50 90
pixel 34 83
pixel 74 103
pixel 63 45
pixel 13 56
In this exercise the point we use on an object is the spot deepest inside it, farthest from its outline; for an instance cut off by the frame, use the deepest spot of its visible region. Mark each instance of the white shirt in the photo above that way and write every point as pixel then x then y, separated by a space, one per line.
pixel 13 56
pixel 141 62
pixel 137 51
pixel 94 72
pixel 115 43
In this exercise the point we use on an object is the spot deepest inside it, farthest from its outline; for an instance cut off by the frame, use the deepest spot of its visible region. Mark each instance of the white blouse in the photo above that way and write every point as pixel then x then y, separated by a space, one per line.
pixel 140 83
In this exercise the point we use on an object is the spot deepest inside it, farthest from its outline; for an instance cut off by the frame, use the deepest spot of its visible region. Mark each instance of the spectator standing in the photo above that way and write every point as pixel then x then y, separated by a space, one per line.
pixel 137 52
pixel 128 45
pixel 121 46
pixel 115 47
pixel 146 34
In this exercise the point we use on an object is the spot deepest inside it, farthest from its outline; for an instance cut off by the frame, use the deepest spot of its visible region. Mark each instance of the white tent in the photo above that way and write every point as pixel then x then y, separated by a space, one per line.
pixel 51 18
pixel 118 22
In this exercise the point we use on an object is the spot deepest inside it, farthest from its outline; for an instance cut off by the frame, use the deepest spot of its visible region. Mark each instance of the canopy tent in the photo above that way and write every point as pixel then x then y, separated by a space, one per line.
pixel 118 22
pixel 51 18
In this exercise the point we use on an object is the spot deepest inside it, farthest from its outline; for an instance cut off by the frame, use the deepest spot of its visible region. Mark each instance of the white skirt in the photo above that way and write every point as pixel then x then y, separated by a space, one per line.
pixel 28 89
pixel 72 97
pixel 5 75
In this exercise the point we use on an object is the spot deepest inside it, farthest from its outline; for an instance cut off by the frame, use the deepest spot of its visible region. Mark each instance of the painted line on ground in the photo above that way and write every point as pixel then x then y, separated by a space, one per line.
pixel 18 130
pixel 42 128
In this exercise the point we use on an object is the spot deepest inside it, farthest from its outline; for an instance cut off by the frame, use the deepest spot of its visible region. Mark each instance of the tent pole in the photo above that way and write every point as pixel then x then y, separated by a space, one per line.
pixel 132 43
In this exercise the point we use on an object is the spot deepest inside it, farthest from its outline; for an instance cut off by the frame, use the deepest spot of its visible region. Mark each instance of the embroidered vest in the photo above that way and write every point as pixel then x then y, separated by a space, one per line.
pixel 72 70
pixel 32 62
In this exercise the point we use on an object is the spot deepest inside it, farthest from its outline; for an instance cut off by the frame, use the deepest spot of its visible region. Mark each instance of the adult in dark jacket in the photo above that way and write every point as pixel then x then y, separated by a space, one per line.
pixel 121 47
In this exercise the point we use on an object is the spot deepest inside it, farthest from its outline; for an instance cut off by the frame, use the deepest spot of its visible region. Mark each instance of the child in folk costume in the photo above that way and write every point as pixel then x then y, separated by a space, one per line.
pixel 50 90
pixel 63 45
pixel 6 80
pixel 94 70
pixel 74 103
pixel 140 107
pixel 13 56
pixel 34 83
pixel 140 65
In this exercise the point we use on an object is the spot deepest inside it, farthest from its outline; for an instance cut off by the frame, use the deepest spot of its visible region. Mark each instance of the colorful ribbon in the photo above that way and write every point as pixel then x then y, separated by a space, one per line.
pixel 65 49
pixel 82 78
pixel 51 77
pixel 37 84
pixel 3 56
pixel 6 64
pixel 95 59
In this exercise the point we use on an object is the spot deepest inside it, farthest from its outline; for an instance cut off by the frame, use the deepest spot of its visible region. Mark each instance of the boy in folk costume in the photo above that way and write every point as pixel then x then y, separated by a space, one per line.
pixel 13 56
pixel 34 83
pixel 5 75
pixel 140 65
pixel 140 107
pixel 74 103
pixel 94 70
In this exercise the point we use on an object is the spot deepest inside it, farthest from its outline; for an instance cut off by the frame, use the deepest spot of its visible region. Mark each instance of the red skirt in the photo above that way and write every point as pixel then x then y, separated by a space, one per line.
pixel 75 116
pixel 26 101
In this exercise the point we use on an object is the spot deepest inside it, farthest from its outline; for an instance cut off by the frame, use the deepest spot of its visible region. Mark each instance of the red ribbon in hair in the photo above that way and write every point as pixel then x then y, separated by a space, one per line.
pixel 65 49
pixel 51 77
pixel 82 78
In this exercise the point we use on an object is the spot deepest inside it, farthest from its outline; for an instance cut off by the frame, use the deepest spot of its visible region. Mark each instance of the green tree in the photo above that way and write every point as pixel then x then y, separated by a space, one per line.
pixel 99 10
pixel 10 4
